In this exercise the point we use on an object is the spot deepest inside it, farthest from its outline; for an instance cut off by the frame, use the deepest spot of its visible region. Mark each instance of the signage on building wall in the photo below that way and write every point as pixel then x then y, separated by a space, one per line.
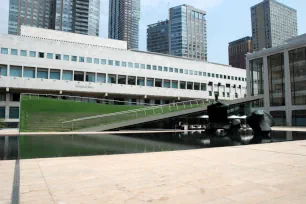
pixel 84 86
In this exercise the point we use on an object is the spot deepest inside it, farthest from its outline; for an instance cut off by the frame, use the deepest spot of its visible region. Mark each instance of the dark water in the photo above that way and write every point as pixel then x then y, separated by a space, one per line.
pixel 85 145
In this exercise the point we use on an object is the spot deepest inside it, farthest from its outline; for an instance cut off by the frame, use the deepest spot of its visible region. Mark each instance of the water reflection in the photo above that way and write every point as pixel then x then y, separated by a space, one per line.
pixel 86 145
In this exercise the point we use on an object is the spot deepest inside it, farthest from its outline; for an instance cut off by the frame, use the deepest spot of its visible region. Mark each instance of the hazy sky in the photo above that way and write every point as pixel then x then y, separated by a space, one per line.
pixel 227 20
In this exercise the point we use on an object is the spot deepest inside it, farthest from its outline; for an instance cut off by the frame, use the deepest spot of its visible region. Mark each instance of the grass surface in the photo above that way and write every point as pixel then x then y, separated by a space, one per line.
pixel 38 112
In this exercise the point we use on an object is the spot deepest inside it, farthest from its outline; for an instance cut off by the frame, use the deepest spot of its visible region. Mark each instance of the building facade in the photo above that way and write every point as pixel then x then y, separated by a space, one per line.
pixel 124 16
pixel 272 24
pixel 158 37
pixel 188 36
pixel 280 75
pixel 237 51
pixel 34 13
pixel 53 62
pixel 77 16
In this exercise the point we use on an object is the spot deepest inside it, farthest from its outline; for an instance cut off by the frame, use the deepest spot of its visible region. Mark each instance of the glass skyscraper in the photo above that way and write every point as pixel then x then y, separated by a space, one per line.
pixel 124 16
pixel 78 16
pixel 272 24
pixel 158 37
pixel 188 37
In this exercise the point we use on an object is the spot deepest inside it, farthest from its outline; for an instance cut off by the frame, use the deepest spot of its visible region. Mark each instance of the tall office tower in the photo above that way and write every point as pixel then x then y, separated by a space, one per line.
pixel 158 37
pixel 77 16
pixel 188 37
pixel 272 24
pixel 237 51
pixel 124 16
pixel 34 13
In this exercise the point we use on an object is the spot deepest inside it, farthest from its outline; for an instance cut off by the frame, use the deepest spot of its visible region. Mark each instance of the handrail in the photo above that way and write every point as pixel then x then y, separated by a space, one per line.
pixel 88 98
pixel 133 111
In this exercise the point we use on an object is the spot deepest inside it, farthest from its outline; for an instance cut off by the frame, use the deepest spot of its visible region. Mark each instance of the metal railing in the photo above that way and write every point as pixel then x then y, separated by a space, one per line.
pixel 83 99
pixel 87 122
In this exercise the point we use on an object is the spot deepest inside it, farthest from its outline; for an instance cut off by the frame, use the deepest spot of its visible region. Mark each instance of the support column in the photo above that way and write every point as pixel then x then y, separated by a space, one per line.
pixel 7 102
pixel 288 96
pixel 6 145
pixel 266 84
pixel 248 77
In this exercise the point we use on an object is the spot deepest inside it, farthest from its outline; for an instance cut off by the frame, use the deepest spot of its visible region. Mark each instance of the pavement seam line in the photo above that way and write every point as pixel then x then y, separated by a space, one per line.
pixel 45 182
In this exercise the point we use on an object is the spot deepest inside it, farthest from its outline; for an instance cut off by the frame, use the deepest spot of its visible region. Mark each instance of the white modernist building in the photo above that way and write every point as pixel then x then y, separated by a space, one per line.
pixel 53 62
pixel 279 74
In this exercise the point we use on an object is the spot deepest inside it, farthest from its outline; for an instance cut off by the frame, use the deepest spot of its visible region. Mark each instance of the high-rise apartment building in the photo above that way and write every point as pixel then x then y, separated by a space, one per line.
pixel 188 37
pixel 158 37
pixel 77 16
pixel 272 24
pixel 237 51
pixel 36 13
pixel 124 16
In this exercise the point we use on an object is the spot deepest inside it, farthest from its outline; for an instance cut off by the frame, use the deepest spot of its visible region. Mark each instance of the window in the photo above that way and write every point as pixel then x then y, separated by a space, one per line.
pixel 29 72
pixel 150 82
pixel 232 78
pixel 3 70
pixel 212 75
pixel 4 51
pixel 131 80
pixel 110 62
pixel 160 68
pixel 217 75
pixel 42 73
pixel 136 65
pixel 78 76
pixel 189 85
pixel 123 64
pixel 74 58
pixel 2 112
pixel 140 81
pixel 81 59
pixel 23 53
pixel 210 93
pixel 196 86
pixel 90 77
pixel 182 85
pixel 165 69
pixel 174 84
pixel 204 73
pixel 14 113
pixel 2 96
pixel 96 61
pixel 236 78
pixel 66 57
pixel 228 77
pixel 103 61
pixel 14 52
pixel 208 74
pixel 181 71
pixel 58 56
pixel 32 54
pixel 190 72
pixel 49 55
pixel 149 67
pixel 200 74
pixel 67 75
pixel 185 71
pixel 15 71
pixel 121 79
pixel 89 60
pixel 101 78
pixel 111 79
pixel 158 83
pixel 203 87
pixel 154 67
pixel 176 70
pixel 143 66
pixel 55 74
pixel 170 69
pixel 41 55
pixel 117 63
pixel 130 65
pixel 166 83
pixel 239 78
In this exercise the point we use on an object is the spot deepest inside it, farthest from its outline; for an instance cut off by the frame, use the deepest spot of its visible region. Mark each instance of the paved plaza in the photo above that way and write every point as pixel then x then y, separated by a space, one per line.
pixel 266 173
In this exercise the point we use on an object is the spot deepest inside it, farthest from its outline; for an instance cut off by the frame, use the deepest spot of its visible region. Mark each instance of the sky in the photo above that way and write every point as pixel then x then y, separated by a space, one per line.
pixel 227 20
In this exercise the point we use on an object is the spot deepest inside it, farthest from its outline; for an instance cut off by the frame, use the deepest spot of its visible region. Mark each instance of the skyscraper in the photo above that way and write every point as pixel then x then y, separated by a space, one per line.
pixel 188 36
pixel 272 24
pixel 34 13
pixel 124 16
pixel 237 51
pixel 158 37
pixel 77 16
